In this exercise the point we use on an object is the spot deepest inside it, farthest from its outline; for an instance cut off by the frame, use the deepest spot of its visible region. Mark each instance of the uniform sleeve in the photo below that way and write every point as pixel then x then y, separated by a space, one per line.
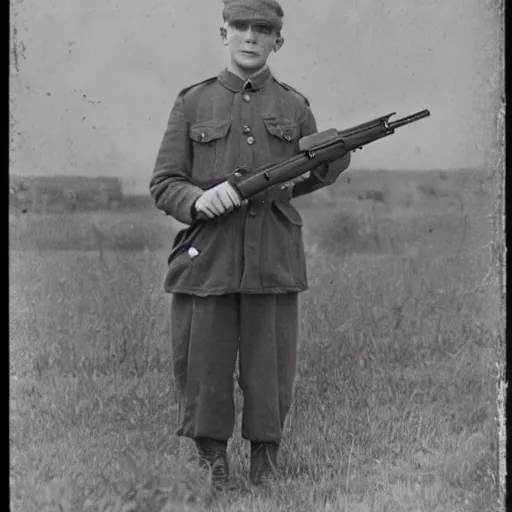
pixel 170 184
pixel 324 174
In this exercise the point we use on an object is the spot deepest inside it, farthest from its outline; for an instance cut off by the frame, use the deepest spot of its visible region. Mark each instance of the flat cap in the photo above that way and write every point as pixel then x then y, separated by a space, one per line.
pixel 267 12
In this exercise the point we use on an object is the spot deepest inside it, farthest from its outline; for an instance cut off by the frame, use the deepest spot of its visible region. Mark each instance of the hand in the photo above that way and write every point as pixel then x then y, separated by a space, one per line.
pixel 217 200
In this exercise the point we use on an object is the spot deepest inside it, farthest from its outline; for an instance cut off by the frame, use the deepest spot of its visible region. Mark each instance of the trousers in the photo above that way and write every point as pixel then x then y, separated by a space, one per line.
pixel 207 334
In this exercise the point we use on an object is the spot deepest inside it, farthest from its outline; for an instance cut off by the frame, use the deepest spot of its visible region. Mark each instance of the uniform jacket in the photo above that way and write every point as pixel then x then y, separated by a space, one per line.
pixel 213 128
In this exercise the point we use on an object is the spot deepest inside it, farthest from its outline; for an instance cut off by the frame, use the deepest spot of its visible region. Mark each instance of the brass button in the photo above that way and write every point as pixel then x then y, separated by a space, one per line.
pixel 238 174
pixel 202 136
pixel 246 129
pixel 287 138
pixel 250 140
pixel 246 97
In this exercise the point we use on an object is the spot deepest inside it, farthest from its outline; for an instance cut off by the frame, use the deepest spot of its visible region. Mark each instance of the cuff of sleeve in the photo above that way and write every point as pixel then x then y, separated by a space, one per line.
pixel 179 205
pixel 193 211
pixel 188 207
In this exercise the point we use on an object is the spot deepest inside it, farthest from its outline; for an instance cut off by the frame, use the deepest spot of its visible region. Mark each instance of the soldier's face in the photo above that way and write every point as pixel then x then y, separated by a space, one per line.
pixel 250 44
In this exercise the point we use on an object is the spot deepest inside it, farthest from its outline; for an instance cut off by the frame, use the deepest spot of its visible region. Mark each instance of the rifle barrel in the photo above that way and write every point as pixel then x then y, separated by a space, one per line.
pixel 409 119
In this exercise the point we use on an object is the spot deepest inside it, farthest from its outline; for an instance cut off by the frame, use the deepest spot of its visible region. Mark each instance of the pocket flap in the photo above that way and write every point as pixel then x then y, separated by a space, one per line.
pixel 183 240
pixel 284 129
pixel 208 131
pixel 289 211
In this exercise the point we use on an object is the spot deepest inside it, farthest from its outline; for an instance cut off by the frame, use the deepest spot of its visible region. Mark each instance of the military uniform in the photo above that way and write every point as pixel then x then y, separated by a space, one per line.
pixel 238 292
pixel 214 128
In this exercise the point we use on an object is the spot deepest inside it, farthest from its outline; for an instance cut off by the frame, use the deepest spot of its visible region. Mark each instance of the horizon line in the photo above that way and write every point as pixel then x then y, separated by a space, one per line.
pixel 359 169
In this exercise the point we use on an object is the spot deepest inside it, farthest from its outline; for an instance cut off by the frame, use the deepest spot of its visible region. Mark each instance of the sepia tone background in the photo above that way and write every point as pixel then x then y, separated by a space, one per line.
pixel 94 81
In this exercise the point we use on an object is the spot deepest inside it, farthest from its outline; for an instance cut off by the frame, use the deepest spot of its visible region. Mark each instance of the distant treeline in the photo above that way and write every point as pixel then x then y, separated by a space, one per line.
pixel 78 193
pixel 64 193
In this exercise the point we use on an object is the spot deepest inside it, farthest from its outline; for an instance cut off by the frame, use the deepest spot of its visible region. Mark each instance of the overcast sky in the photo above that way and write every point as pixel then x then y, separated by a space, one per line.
pixel 96 78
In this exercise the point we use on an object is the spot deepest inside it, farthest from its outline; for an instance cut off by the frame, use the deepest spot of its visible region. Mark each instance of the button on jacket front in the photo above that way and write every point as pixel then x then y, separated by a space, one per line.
pixel 213 128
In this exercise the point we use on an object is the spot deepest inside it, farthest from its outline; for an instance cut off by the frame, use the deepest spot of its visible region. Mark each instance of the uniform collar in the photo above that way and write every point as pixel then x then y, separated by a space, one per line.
pixel 236 84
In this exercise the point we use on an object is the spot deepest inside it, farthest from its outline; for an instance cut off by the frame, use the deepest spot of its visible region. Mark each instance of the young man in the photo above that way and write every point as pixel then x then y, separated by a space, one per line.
pixel 235 278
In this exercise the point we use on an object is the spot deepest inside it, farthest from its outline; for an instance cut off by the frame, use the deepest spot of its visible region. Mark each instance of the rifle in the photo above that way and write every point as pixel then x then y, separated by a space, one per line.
pixel 316 149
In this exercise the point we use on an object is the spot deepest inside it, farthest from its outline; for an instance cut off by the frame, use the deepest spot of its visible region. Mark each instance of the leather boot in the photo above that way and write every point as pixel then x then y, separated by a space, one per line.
pixel 213 456
pixel 263 462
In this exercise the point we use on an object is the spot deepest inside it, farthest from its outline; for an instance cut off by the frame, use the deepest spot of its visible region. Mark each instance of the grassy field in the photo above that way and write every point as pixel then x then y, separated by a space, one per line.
pixel 396 400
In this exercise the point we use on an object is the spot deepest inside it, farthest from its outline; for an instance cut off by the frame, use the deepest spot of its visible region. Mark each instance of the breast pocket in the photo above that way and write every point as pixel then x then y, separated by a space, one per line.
pixel 284 135
pixel 209 141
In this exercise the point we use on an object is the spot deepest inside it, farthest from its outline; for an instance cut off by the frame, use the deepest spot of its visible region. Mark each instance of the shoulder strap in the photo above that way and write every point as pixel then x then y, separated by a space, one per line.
pixel 290 88
pixel 208 80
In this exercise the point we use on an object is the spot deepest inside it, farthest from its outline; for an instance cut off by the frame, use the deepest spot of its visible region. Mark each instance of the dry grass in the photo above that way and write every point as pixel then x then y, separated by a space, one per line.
pixel 395 405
